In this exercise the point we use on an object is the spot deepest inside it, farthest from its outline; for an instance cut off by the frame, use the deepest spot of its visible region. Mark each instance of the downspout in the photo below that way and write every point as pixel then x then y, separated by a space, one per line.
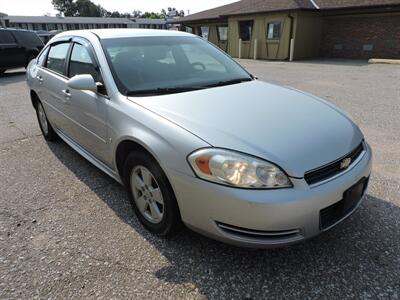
pixel 291 41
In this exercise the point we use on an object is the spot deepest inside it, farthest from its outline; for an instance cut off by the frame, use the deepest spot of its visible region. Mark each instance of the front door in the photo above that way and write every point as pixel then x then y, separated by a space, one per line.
pixel 88 109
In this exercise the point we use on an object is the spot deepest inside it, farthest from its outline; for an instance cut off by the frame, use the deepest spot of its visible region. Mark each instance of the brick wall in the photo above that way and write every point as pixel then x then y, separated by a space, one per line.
pixel 361 37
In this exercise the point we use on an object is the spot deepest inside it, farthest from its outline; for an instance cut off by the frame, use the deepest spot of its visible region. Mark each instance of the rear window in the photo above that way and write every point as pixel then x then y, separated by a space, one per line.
pixel 6 37
pixel 28 38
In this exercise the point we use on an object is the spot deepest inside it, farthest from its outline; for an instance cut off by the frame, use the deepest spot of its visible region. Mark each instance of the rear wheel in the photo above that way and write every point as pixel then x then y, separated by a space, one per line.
pixel 44 124
pixel 151 195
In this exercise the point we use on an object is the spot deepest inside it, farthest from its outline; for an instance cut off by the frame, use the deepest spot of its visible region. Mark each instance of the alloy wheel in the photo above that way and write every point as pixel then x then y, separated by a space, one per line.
pixel 43 119
pixel 147 194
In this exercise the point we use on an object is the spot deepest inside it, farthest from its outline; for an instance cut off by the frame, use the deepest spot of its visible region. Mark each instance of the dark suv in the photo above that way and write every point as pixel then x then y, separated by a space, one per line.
pixel 18 48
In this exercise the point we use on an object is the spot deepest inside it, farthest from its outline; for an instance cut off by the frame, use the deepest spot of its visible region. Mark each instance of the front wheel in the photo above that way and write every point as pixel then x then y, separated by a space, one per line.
pixel 151 195
pixel 44 124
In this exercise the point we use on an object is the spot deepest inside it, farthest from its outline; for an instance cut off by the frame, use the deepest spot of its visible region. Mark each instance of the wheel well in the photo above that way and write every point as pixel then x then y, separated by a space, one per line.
pixel 123 150
pixel 34 98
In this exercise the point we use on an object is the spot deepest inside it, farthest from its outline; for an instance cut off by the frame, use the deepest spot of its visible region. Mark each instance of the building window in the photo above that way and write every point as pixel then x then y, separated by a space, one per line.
pixel 51 27
pixel 222 33
pixel 245 30
pixel 204 30
pixel 274 30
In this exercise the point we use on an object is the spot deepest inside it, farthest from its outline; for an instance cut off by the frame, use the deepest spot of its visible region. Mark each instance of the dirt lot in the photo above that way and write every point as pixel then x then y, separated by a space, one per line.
pixel 67 230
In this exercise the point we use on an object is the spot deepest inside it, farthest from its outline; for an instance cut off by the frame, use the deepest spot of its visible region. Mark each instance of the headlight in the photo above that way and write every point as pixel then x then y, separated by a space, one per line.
pixel 237 169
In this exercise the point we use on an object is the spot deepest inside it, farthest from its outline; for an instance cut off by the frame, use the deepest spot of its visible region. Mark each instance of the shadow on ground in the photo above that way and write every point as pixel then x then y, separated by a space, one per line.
pixel 12 77
pixel 357 258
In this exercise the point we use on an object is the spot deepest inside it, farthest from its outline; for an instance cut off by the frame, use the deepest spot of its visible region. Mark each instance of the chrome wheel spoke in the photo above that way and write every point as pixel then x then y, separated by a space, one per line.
pixel 146 176
pixel 142 204
pixel 155 211
pixel 157 196
pixel 137 182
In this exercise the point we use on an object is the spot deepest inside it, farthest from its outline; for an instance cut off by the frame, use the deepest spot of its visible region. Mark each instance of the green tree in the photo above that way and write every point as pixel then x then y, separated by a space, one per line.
pixel 66 7
pixel 136 14
pixel 86 8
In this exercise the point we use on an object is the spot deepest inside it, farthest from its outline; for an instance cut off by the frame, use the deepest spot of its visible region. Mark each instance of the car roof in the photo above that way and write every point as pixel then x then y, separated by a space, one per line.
pixel 124 33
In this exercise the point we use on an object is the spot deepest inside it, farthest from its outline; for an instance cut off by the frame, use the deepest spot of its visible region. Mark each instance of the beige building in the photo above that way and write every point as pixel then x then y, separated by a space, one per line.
pixel 301 29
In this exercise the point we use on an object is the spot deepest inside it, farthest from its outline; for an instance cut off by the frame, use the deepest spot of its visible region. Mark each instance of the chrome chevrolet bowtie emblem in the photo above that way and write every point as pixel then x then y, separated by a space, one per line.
pixel 345 163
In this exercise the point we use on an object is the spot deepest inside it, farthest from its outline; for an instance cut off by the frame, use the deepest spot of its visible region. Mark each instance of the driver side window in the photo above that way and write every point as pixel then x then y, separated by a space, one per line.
pixel 82 63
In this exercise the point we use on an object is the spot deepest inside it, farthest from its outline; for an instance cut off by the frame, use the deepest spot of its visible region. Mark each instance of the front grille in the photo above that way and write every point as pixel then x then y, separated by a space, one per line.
pixel 333 168
pixel 260 235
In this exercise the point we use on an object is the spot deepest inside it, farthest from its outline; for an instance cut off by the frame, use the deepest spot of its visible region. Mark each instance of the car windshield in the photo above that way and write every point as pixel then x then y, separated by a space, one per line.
pixel 163 65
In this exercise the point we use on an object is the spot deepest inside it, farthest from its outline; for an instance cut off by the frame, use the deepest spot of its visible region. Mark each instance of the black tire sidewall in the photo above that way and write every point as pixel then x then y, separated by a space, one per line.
pixel 171 221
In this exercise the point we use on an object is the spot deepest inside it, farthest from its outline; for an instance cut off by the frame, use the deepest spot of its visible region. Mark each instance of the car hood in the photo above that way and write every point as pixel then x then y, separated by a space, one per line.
pixel 292 129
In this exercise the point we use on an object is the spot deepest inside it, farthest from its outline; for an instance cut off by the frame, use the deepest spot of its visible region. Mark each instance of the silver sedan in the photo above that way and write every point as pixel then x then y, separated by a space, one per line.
pixel 196 139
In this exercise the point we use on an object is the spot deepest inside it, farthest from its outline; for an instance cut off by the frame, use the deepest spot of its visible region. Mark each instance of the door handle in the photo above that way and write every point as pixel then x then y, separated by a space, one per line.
pixel 66 94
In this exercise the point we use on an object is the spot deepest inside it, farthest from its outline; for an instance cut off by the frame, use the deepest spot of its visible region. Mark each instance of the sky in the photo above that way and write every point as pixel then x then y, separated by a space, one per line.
pixel 41 7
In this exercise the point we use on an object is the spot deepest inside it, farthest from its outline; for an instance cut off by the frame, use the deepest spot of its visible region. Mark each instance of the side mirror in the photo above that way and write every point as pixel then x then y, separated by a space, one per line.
pixel 83 82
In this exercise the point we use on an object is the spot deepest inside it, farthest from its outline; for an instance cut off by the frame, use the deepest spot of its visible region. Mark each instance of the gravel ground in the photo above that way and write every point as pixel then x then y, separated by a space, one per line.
pixel 67 230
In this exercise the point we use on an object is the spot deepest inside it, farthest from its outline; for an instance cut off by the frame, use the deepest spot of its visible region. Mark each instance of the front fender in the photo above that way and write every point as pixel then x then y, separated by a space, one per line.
pixel 168 143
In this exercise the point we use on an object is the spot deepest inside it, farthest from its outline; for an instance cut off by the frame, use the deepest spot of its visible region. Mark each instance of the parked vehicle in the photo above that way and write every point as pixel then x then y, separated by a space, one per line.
pixel 18 48
pixel 198 140
pixel 45 36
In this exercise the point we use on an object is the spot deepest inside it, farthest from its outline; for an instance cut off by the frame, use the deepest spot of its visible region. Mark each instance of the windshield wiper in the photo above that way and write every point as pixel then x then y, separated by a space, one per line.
pixel 229 82
pixel 163 91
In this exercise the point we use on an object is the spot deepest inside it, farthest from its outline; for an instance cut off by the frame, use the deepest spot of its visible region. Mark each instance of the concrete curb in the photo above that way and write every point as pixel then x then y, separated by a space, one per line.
pixel 384 61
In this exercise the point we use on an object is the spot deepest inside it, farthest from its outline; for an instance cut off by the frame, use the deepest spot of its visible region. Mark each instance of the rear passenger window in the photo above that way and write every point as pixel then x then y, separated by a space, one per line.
pixel 56 58
pixel 82 63
pixel 42 58
pixel 6 37
pixel 28 38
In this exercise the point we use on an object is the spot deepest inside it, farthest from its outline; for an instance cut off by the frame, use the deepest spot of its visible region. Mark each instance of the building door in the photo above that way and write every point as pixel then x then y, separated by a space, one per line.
pixel 245 34
pixel 222 32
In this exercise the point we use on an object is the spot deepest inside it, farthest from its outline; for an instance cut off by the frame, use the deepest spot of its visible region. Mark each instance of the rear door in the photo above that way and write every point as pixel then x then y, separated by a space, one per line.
pixel 11 54
pixel 30 41
pixel 88 109
pixel 52 77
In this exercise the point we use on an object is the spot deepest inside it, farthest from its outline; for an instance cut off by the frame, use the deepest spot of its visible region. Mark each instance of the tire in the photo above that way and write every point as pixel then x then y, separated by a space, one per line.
pixel 170 222
pixel 44 124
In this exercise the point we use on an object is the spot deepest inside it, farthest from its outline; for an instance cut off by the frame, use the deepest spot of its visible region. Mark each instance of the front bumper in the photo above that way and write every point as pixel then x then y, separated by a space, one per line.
pixel 262 218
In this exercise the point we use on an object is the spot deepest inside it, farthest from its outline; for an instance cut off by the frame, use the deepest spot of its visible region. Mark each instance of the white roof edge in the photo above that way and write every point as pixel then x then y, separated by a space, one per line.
pixel 314 3
pixel 124 33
